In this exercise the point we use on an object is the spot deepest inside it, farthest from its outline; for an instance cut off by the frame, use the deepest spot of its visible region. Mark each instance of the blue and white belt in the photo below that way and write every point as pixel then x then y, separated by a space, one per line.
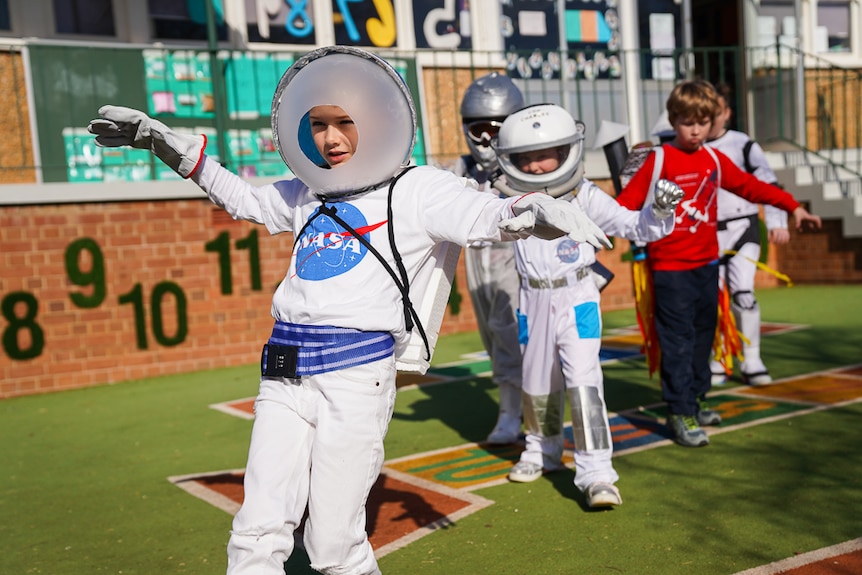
pixel 544 283
pixel 296 350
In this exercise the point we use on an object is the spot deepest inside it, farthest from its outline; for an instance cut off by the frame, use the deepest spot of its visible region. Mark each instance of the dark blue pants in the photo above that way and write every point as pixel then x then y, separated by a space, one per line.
pixel 686 314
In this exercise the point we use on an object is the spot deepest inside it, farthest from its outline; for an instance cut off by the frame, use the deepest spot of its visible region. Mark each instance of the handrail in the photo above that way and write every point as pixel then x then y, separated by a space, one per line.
pixel 831 110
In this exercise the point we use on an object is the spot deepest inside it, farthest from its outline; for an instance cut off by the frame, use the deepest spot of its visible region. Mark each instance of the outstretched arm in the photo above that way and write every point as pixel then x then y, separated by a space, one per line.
pixel 119 126
pixel 651 223
pixel 184 153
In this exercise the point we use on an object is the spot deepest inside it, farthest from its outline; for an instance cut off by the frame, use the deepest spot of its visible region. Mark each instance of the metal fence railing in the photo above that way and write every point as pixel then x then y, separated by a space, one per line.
pixel 51 91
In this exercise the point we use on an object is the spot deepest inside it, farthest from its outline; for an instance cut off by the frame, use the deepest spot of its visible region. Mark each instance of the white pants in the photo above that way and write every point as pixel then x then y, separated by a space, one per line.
pixel 739 275
pixel 741 267
pixel 316 442
pixel 493 284
pixel 563 340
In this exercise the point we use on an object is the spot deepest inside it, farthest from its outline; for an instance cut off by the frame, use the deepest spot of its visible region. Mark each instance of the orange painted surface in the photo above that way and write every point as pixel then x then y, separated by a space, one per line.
pixel 825 388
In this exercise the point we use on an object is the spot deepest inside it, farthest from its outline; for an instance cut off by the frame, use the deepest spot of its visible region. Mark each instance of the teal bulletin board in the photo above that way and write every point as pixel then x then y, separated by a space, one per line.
pixel 174 86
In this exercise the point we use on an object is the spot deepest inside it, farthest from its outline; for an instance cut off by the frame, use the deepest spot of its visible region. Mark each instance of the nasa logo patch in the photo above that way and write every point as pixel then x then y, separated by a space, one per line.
pixel 568 251
pixel 327 250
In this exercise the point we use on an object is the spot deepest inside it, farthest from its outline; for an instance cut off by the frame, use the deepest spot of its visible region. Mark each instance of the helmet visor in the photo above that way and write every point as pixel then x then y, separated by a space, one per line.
pixel 482 131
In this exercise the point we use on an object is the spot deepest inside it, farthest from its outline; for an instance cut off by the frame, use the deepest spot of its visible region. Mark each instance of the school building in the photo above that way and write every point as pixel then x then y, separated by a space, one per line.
pixel 114 269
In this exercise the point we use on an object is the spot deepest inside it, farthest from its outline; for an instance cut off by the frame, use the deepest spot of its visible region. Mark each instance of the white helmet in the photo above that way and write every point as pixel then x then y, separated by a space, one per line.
pixel 540 127
pixel 371 92
pixel 486 103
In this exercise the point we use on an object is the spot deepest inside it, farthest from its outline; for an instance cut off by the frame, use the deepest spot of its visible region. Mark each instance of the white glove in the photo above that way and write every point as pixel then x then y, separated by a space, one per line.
pixel 548 218
pixel 128 127
pixel 668 195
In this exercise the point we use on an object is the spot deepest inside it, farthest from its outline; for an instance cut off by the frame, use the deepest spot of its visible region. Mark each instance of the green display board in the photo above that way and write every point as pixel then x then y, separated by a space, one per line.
pixel 175 86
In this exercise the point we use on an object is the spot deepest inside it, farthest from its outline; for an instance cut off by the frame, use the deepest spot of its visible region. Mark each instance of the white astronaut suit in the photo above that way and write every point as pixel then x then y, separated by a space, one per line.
pixel 327 388
pixel 739 231
pixel 559 312
pixel 560 319
pixel 491 276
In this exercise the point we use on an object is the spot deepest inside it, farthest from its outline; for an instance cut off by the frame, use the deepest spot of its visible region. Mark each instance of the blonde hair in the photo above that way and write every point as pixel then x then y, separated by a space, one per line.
pixel 693 99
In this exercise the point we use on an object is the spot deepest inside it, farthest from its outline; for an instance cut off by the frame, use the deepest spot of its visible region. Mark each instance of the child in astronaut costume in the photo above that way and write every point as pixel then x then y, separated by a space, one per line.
pixel 365 236
pixel 491 276
pixel 739 231
pixel 540 149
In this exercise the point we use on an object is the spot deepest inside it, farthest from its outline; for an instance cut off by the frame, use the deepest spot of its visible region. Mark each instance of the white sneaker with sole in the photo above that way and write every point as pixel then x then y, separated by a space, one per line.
pixel 754 372
pixel 525 472
pixel 507 430
pixel 601 494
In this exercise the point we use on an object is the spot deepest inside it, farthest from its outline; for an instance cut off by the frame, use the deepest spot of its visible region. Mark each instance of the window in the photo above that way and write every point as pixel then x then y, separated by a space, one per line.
pixel 833 26
pixel 776 17
pixel 174 20
pixel 90 17
pixel 4 15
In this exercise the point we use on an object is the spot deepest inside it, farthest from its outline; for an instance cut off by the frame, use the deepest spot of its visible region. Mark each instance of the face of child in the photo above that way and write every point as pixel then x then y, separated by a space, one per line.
pixel 538 161
pixel 334 134
pixel 691 133
pixel 721 120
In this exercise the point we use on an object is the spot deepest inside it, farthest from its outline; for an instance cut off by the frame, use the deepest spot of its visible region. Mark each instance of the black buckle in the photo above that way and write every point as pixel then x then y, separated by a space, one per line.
pixel 279 361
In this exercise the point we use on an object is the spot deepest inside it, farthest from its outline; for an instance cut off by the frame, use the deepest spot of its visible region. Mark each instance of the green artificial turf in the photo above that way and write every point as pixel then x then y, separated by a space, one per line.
pixel 84 489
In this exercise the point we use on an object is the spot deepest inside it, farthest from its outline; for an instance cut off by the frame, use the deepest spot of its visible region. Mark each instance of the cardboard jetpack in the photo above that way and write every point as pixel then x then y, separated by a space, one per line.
pixel 429 293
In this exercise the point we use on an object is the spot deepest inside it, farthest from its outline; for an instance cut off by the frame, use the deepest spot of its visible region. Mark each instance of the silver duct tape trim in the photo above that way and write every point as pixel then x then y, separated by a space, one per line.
pixel 589 419
pixel 543 414
pixel 544 283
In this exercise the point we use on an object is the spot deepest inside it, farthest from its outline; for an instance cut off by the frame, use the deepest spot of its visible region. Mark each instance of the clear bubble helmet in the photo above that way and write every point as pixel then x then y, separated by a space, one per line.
pixel 371 92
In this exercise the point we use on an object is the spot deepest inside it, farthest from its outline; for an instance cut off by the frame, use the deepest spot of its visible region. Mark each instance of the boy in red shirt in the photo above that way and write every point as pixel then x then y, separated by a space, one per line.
pixel 684 265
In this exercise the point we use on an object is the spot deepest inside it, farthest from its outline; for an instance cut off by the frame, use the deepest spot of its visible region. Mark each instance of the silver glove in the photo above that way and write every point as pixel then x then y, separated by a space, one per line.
pixel 550 218
pixel 119 126
pixel 668 195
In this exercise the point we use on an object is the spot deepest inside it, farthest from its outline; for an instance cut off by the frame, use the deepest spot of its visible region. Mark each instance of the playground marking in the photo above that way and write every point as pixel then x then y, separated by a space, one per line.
pixel 423 492
pixel 841 559
pixel 401 508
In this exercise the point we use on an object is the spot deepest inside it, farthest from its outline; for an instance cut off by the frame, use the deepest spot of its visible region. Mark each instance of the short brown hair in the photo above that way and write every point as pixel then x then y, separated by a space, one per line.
pixel 695 99
pixel 723 90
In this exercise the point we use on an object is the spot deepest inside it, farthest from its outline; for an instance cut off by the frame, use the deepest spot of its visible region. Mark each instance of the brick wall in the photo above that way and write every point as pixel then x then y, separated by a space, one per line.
pixel 154 256
pixel 157 306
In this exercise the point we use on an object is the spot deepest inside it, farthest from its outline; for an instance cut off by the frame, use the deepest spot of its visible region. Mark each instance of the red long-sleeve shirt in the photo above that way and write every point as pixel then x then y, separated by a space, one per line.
pixel 694 242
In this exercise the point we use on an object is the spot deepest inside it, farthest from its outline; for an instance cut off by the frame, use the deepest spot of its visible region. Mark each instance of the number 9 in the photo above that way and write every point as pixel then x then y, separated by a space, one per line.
pixel 95 276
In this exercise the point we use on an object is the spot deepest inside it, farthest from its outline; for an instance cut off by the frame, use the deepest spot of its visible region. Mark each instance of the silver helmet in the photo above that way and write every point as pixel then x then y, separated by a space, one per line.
pixel 541 127
pixel 486 103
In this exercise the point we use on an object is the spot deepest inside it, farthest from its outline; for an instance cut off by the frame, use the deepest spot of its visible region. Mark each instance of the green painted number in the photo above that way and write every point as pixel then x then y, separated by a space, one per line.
pixel 221 246
pixel 136 297
pixel 156 298
pixel 250 243
pixel 94 276
pixel 22 323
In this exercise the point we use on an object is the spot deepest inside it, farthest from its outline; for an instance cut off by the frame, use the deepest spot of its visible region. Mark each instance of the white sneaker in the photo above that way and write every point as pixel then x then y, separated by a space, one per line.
pixel 601 494
pixel 754 372
pixel 525 472
pixel 507 430
pixel 762 378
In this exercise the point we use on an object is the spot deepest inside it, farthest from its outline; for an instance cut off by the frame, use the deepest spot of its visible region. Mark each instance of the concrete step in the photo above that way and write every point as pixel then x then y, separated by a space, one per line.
pixel 826 199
